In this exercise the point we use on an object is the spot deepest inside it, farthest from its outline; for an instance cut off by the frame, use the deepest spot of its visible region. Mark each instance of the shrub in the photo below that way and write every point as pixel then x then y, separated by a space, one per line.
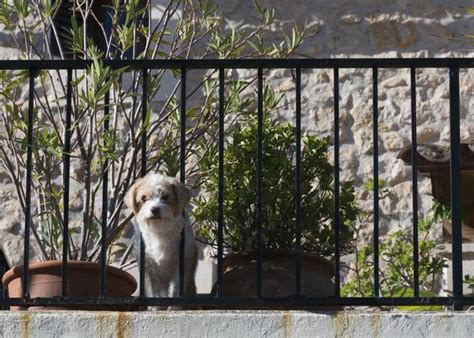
pixel 278 192
pixel 185 29
pixel 396 269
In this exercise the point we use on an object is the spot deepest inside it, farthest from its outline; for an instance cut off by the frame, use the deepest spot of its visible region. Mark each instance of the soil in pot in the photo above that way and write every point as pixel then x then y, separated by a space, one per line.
pixel 83 281
pixel 278 276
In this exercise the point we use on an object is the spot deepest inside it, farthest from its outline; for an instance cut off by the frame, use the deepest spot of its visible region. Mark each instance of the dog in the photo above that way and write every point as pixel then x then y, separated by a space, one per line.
pixel 158 203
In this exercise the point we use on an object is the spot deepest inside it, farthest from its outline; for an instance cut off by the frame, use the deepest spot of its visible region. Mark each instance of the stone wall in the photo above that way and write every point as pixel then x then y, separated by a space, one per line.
pixel 341 28
pixel 236 324
pixel 367 28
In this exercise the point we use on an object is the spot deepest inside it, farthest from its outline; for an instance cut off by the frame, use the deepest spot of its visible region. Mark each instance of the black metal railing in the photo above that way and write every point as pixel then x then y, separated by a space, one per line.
pixel 457 300
pixel 4 267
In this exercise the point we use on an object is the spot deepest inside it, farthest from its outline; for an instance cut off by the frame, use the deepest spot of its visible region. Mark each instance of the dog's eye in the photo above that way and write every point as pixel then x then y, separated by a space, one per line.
pixel 164 197
pixel 144 198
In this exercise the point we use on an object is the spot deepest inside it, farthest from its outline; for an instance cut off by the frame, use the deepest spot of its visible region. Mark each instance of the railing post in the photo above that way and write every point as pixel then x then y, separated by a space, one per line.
pixel 220 230
pixel 337 228
pixel 259 179
pixel 375 133
pixel 455 167
pixel 143 172
pixel 66 174
pixel 182 172
pixel 29 170
pixel 105 187
pixel 298 182
pixel 416 279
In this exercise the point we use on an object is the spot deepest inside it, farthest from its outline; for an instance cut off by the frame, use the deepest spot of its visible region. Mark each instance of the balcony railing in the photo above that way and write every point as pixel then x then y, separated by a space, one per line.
pixel 457 300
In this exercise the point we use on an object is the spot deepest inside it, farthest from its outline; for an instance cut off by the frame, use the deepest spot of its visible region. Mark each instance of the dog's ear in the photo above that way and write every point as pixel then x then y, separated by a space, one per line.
pixel 183 194
pixel 131 196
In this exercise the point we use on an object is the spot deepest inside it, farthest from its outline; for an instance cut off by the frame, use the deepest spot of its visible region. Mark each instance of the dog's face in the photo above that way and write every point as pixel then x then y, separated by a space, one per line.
pixel 158 200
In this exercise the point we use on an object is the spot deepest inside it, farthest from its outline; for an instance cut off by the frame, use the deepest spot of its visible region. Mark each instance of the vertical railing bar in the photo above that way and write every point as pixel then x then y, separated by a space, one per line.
pixel 414 165
pixel 376 179
pixel 143 140
pixel 66 175
pixel 182 174
pixel 105 178
pixel 143 171
pixel 142 267
pixel 298 182
pixel 220 229
pixel 29 169
pixel 337 253
pixel 259 180
pixel 455 169
pixel 3 269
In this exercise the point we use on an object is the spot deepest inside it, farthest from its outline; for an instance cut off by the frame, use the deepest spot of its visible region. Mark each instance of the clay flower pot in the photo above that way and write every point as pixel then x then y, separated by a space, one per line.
pixel 278 275
pixel 83 281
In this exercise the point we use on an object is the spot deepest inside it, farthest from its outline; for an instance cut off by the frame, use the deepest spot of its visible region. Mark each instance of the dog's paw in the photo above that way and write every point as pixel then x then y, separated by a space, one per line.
pixel 175 308
pixel 156 308
pixel 186 307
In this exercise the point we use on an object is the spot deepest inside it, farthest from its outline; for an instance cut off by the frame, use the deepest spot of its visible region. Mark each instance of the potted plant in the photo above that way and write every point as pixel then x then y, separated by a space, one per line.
pixel 433 162
pixel 278 210
pixel 108 140
pixel 396 271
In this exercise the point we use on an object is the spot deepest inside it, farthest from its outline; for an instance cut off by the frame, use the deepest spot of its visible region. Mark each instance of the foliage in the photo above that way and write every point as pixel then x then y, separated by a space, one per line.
pixel 397 273
pixel 469 280
pixel 186 28
pixel 396 268
pixel 278 190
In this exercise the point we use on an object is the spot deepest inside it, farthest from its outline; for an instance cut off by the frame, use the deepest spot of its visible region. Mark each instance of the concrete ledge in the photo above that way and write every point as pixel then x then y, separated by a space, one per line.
pixel 235 324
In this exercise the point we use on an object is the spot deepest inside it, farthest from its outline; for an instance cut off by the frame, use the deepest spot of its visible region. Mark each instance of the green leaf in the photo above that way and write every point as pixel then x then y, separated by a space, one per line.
pixel 21 7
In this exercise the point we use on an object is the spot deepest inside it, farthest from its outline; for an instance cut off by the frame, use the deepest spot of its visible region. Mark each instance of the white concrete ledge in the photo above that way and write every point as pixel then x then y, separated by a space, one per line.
pixel 235 324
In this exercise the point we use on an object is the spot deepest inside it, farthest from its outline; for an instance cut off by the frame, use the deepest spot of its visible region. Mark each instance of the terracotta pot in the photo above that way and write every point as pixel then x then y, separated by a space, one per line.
pixel 83 281
pixel 466 230
pixel 278 275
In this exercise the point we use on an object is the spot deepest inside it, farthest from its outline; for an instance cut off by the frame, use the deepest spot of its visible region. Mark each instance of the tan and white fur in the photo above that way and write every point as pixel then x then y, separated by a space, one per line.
pixel 158 203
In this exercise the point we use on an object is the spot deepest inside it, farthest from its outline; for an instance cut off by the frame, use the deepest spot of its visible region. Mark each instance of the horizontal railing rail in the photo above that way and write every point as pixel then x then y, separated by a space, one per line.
pixel 245 63
pixel 287 302
pixel 457 300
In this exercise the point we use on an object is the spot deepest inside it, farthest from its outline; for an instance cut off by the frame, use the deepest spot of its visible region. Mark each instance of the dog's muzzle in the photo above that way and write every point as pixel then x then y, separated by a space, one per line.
pixel 155 212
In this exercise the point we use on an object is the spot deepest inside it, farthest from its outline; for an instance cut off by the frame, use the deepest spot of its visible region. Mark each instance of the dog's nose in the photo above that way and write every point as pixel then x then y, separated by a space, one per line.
pixel 155 211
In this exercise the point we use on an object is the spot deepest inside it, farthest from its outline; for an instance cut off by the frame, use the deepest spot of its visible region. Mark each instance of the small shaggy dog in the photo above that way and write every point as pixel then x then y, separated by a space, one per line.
pixel 158 203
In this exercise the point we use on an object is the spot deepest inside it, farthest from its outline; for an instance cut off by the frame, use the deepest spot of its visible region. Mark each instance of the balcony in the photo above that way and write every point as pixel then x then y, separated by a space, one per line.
pixel 142 73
